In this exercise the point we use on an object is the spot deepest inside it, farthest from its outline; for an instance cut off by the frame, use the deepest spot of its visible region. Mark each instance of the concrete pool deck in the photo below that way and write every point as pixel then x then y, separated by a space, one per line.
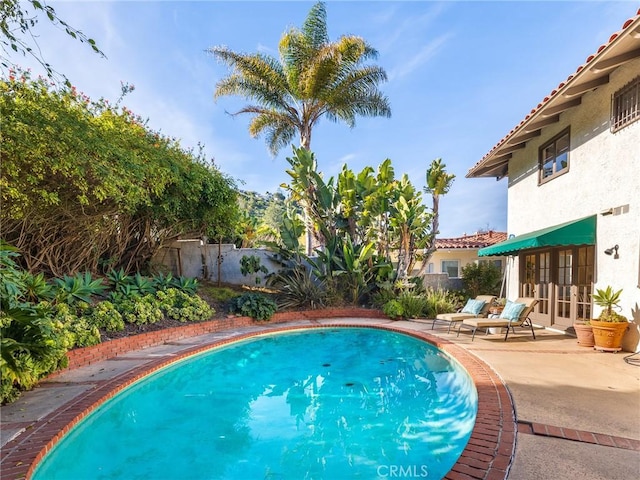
pixel 577 411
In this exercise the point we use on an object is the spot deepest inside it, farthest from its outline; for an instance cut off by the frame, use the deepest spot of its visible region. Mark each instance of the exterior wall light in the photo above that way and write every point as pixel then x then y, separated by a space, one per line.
pixel 613 250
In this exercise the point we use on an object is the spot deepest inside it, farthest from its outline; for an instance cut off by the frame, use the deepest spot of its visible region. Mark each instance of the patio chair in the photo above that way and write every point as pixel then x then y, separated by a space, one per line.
pixel 506 320
pixel 466 312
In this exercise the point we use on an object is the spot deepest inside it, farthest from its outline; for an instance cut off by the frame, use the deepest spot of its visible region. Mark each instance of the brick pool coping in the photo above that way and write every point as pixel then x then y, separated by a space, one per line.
pixel 488 454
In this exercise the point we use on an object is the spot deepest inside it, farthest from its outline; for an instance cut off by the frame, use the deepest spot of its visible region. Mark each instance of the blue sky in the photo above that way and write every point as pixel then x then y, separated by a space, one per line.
pixel 461 76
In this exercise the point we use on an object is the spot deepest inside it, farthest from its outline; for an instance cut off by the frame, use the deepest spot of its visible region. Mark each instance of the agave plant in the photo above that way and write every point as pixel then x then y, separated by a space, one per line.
pixel 143 285
pixel 118 278
pixel 608 299
pixel 161 281
pixel 36 288
pixel 298 289
pixel 186 284
pixel 80 287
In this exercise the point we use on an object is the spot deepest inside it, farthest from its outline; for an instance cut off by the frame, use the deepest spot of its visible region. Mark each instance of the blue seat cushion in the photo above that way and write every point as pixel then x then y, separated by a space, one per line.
pixel 473 307
pixel 512 311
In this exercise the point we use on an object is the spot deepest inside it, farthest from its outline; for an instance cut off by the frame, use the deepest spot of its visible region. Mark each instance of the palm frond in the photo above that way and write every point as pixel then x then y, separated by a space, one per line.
pixel 315 26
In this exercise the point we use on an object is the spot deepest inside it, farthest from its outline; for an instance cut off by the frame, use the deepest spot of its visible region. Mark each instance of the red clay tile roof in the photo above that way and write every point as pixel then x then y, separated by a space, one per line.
pixel 481 168
pixel 477 240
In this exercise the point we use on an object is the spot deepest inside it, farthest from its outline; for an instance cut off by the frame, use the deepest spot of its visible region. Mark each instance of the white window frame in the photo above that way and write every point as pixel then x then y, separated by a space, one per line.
pixel 444 270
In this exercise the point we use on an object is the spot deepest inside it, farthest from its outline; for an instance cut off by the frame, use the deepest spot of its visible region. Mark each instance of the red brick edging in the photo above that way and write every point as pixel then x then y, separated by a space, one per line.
pixel 574 435
pixel 81 357
pixel 488 454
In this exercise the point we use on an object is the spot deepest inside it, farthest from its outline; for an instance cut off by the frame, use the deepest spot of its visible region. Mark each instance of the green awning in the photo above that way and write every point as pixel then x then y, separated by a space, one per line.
pixel 576 232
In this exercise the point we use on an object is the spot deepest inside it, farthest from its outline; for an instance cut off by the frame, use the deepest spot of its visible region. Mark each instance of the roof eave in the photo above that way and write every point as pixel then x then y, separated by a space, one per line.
pixel 623 46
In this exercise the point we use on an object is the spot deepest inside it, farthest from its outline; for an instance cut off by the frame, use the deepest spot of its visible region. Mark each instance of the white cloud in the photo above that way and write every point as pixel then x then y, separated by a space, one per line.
pixel 264 49
pixel 424 55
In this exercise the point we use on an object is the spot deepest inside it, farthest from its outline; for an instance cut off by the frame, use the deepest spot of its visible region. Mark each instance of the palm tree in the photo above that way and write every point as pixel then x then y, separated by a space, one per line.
pixel 314 77
pixel 438 183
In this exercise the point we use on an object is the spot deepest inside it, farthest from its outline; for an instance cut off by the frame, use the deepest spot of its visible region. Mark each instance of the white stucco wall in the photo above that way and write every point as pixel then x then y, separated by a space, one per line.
pixel 200 260
pixel 604 173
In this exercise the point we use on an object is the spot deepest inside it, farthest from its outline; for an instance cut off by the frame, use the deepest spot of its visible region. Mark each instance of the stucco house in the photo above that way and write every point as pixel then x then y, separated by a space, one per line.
pixel 452 254
pixel 573 172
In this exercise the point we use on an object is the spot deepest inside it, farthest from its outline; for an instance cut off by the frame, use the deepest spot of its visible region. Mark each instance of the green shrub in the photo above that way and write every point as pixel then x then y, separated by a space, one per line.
pixel 141 310
pixel 297 289
pixel 413 306
pixel 36 288
pixel 106 317
pixel 117 279
pixel 162 281
pixel 393 309
pixel 481 279
pixel 73 330
pixel 84 333
pixel 440 301
pixel 253 305
pixel 184 307
pixel 143 285
pixel 384 294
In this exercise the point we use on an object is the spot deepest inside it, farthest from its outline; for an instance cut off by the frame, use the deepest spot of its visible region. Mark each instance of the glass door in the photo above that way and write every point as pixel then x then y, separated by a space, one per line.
pixel 562 281
pixel 563 289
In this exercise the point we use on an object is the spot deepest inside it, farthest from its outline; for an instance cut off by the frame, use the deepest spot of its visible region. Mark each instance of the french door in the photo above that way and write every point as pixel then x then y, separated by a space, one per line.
pixel 561 279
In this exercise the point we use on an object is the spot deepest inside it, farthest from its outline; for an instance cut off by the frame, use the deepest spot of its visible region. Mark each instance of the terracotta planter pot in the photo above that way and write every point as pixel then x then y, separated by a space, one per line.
pixel 608 335
pixel 584 334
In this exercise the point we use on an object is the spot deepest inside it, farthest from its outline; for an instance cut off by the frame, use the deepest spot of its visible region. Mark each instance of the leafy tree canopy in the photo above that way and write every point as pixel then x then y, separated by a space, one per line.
pixel 87 185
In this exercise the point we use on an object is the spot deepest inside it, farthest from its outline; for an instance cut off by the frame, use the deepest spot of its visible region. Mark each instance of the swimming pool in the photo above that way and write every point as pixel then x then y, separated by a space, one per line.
pixel 321 403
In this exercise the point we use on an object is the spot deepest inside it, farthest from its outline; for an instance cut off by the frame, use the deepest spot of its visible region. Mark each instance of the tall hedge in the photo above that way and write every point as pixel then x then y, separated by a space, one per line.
pixel 86 185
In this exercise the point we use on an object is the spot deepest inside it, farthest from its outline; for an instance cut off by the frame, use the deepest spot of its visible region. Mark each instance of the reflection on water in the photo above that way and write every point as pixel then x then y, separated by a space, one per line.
pixel 341 403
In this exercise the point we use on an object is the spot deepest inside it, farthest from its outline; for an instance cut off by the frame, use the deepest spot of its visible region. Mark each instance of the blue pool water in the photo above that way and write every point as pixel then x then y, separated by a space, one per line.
pixel 330 404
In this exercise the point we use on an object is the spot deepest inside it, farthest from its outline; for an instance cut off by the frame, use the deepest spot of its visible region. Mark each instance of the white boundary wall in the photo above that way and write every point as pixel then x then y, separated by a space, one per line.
pixel 194 258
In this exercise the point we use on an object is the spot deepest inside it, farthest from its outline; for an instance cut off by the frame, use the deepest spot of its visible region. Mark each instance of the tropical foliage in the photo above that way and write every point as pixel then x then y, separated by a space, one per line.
pixel 41 320
pixel 438 183
pixel 86 186
pixel 370 229
pixel 313 78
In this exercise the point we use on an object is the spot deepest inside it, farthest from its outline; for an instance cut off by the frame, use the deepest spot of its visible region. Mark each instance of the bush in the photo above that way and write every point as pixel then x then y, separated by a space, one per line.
pixel 106 317
pixel 253 305
pixel 413 306
pixel 79 288
pixel 184 307
pixel 141 310
pixel 384 294
pixel 393 309
pixel 297 289
pixel 73 330
pixel 481 279
pixel 440 301
pixel 185 284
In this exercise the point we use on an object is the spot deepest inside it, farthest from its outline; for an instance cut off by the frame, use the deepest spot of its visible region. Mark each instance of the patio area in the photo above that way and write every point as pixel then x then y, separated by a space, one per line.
pixel 577 410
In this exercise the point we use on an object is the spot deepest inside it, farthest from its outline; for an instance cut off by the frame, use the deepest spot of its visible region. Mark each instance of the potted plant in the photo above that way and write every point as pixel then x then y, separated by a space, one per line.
pixel 584 332
pixel 497 306
pixel 609 328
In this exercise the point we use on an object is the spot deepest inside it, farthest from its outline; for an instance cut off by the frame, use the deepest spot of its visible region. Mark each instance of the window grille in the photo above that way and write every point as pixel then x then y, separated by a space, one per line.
pixel 625 105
